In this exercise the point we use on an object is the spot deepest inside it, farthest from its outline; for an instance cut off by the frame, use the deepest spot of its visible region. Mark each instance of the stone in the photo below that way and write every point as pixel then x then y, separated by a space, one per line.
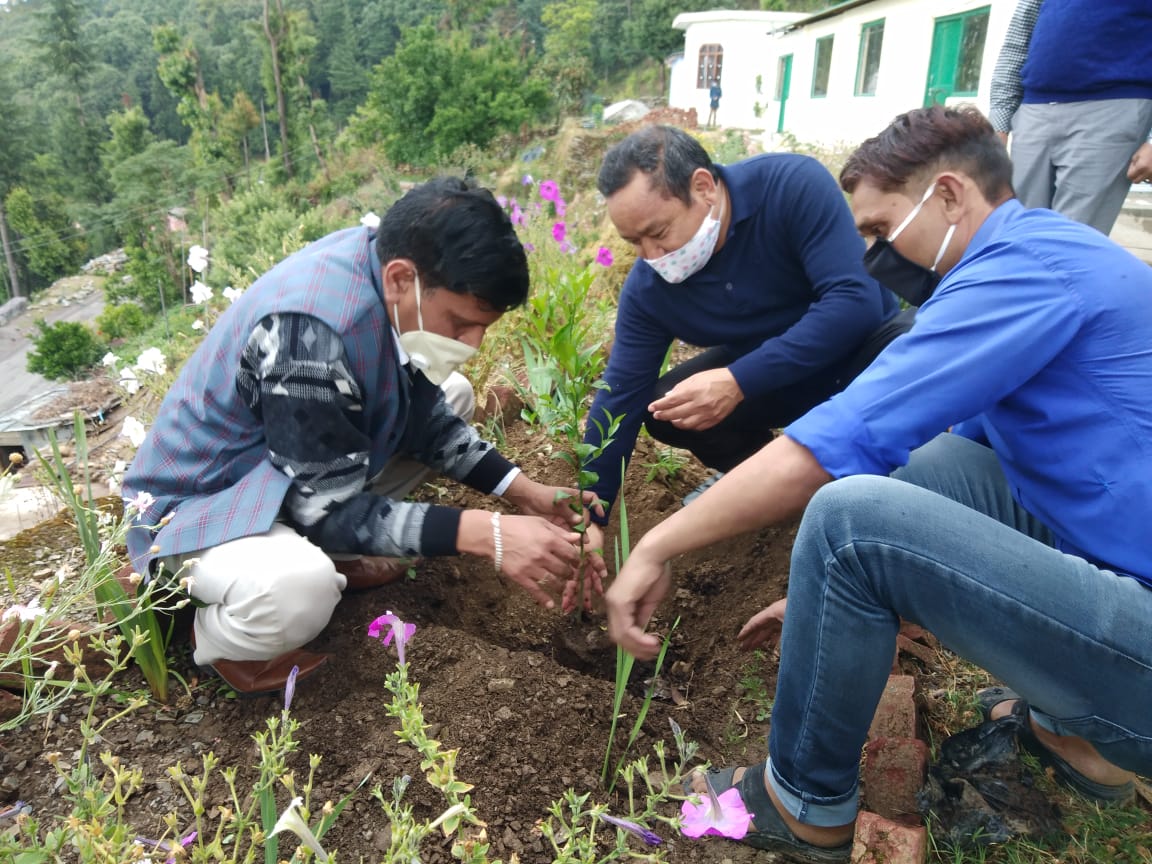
pixel 895 716
pixel 893 773
pixel 879 841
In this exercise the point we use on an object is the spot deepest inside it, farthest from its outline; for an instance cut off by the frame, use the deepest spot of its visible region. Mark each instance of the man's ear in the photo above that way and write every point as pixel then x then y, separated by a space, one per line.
pixel 398 277
pixel 704 184
pixel 956 191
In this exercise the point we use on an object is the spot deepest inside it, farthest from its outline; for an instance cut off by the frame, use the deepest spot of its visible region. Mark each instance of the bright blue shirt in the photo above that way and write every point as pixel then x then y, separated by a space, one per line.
pixel 787 293
pixel 1043 333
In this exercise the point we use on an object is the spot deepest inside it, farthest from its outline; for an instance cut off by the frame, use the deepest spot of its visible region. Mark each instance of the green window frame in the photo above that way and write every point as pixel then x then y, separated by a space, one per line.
pixel 822 66
pixel 868 63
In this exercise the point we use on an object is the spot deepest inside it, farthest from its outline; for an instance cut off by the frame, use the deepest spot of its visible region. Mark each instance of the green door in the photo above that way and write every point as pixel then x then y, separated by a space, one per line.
pixel 783 83
pixel 942 64
pixel 957 54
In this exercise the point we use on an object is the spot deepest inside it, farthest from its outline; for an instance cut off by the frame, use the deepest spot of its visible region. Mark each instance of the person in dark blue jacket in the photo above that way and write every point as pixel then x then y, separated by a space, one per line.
pixel 759 263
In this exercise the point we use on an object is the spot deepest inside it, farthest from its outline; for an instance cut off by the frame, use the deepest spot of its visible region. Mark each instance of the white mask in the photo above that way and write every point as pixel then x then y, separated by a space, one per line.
pixel 435 355
pixel 679 264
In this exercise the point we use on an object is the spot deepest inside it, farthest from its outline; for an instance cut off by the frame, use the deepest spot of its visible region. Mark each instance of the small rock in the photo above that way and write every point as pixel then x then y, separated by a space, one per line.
pixel 147 736
pixel 497 685
pixel 193 717
pixel 505 714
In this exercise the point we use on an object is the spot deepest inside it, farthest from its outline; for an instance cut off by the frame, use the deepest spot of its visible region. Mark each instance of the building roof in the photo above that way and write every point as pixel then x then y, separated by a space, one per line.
pixel 739 16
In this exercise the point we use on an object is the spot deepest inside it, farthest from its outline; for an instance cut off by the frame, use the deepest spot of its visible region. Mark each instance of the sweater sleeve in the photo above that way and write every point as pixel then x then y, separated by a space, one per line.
pixel 1007 91
pixel 633 367
pixel 295 377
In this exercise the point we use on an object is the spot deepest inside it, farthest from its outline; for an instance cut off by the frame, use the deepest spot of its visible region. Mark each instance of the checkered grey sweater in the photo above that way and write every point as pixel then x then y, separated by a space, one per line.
pixel 294 375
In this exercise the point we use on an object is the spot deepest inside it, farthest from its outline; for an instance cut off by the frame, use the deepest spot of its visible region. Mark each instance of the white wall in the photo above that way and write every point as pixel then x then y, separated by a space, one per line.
pixel 744 37
pixel 844 118
pixel 840 118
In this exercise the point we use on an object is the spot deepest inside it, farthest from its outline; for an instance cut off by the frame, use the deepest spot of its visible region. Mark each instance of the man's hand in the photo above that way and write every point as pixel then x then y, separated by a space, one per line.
pixel 595 571
pixel 633 597
pixel 553 503
pixel 699 402
pixel 1140 166
pixel 763 627
pixel 1003 136
pixel 538 556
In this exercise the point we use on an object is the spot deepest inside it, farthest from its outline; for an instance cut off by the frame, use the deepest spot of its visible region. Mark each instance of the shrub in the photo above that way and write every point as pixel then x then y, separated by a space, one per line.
pixel 63 350
pixel 119 321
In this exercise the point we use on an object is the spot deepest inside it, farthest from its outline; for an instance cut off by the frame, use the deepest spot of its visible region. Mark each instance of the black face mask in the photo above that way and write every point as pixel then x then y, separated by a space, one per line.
pixel 911 282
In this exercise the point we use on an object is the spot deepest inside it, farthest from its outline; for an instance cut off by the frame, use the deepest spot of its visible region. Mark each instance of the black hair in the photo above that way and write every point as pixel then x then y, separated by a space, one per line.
pixel 459 238
pixel 669 156
pixel 926 141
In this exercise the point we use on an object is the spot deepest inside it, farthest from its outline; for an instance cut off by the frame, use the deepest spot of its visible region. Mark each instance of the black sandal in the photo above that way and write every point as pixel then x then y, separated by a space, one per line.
pixel 768 830
pixel 1100 793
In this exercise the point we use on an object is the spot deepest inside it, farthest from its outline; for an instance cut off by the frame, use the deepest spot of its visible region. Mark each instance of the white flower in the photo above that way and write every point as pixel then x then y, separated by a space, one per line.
pixel 128 380
pixel 290 820
pixel 197 324
pixel 198 258
pixel 110 359
pixel 134 430
pixel 370 220
pixel 152 360
pixel 7 484
pixel 25 613
pixel 141 502
pixel 201 293
pixel 232 294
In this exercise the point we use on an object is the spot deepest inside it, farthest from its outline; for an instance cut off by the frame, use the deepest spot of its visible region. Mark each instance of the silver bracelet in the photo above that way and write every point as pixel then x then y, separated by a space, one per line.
pixel 497 542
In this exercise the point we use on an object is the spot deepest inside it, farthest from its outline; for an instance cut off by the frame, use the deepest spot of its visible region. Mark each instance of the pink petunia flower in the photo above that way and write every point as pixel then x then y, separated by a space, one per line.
pixel 396 628
pixel 721 815
pixel 549 191
pixel 559 232
pixel 604 256
pixel 561 207
pixel 517 216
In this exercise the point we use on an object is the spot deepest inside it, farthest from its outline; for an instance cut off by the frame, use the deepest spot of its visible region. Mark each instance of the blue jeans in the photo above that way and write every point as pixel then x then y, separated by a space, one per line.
pixel 942 543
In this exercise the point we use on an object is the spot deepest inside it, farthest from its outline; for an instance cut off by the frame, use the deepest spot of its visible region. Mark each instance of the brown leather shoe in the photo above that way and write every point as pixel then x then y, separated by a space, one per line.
pixel 255 677
pixel 372 572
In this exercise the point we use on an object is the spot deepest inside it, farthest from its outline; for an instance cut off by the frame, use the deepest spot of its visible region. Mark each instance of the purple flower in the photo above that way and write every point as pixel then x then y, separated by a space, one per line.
pixel 723 816
pixel 549 191
pixel 527 181
pixel 290 687
pixel 649 837
pixel 604 257
pixel 561 207
pixel 396 628
pixel 559 232
pixel 502 201
pixel 517 214
pixel 529 247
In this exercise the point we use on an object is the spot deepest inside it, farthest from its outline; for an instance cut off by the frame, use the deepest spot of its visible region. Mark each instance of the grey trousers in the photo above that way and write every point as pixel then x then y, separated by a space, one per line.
pixel 1073 157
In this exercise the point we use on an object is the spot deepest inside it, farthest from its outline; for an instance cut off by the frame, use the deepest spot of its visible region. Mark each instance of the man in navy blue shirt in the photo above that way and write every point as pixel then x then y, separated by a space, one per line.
pixel 759 263
pixel 1020 539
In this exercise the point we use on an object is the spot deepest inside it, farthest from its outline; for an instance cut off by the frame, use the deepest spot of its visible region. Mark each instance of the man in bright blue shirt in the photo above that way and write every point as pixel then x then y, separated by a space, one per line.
pixel 1028 554
pixel 759 263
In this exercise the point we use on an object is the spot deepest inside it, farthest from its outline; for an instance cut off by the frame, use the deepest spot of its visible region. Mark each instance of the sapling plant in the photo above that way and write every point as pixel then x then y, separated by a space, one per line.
pixel 564 362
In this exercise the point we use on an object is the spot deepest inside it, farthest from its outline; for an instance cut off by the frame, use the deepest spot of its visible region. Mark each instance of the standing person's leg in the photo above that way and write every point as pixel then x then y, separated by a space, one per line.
pixel 1035 130
pixel 1091 158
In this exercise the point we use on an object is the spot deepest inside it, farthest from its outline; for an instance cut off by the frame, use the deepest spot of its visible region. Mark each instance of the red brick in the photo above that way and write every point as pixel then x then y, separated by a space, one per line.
pixel 896 714
pixel 893 772
pixel 879 841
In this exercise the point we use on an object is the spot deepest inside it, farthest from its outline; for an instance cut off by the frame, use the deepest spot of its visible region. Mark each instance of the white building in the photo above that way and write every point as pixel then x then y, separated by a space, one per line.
pixel 840 75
